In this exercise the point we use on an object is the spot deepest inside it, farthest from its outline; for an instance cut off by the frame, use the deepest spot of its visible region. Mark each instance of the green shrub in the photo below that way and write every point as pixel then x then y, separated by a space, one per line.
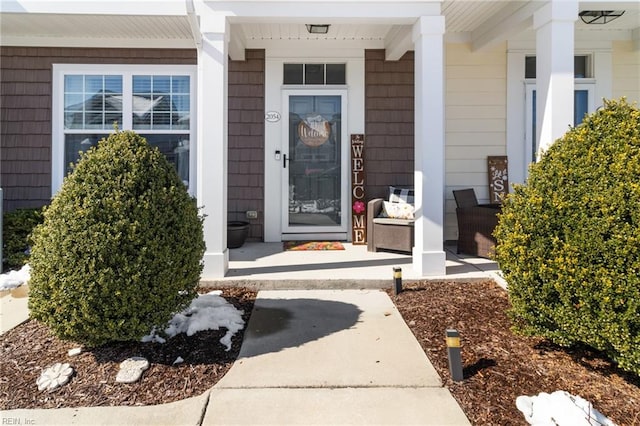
pixel 16 232
pixel 120 248
pixel 569 239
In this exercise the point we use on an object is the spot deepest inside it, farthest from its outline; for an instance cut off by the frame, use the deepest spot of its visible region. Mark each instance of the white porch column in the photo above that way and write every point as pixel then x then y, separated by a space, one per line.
pixel 554 24
pixel 212 142
pixel 428 254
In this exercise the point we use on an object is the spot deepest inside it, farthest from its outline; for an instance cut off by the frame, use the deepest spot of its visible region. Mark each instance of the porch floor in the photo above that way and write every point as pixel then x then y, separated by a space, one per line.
pixel 267 266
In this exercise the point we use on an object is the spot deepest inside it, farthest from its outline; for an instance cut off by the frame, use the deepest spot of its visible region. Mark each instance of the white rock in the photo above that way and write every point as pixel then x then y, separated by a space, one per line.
pixel 55 376
pixel 560 408
pixel 131 369
pixel 178 360
pixel 74 352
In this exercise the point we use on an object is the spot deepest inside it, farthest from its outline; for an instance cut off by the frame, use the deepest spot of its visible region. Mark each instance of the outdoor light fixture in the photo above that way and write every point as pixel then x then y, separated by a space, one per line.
pixel 397 280
pixel 454 355
pixel 599 16
pixel 318 28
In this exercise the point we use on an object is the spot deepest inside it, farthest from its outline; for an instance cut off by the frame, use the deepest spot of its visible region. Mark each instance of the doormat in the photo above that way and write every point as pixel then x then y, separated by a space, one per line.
pixel 312 245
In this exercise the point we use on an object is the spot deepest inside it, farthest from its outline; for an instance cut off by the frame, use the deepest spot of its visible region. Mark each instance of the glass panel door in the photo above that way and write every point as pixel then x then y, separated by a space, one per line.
pixel 583 103
pixel 313 165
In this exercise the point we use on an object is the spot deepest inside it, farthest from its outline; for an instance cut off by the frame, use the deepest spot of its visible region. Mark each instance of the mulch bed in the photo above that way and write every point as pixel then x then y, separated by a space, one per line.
pixel 500 366
pixel 31 347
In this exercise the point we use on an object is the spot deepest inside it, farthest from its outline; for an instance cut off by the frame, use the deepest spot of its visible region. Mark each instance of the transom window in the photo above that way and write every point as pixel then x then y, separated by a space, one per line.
pixel 581 67
pixel 155 101
pixel 314 74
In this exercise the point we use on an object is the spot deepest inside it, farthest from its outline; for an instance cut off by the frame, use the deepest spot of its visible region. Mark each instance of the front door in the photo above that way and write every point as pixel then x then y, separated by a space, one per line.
pixel 314 172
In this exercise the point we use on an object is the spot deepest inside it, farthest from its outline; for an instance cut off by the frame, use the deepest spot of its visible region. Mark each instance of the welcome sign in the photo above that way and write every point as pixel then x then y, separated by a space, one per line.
pixel 358 203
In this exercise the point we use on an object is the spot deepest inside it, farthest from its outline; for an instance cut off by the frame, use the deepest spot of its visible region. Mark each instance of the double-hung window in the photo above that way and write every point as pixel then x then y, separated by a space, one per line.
pixel 155 101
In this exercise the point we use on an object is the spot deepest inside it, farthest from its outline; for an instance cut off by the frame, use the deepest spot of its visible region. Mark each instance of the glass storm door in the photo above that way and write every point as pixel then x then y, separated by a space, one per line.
pixel 583 103
pixel 314 165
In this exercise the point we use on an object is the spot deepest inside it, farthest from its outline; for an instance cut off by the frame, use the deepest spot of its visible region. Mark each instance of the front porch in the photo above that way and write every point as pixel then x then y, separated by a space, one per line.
pixel 268 266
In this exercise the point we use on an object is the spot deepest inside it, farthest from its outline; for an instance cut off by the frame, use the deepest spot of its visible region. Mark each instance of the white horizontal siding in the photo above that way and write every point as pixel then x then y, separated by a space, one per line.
pixel 472 111
pixel 475 123
pixel 473 153
pixel 626 71
pixel 475 98
pixel 489 85
pixel 476 139
pixel 480 70
pixel 466 166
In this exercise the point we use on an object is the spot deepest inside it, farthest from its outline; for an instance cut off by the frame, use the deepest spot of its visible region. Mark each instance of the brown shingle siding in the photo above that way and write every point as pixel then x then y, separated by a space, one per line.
pixel 242 90
pixel 27 180
pixel 25 111
pixel 246 103
pixel 399 116
pixel 389 122
pixel 246 140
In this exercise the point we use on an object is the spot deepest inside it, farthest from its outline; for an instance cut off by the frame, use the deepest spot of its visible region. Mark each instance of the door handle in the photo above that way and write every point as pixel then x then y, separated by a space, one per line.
pixel 284 161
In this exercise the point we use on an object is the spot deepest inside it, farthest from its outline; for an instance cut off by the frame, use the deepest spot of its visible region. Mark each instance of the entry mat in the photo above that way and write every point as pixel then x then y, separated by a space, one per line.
pixel 312 245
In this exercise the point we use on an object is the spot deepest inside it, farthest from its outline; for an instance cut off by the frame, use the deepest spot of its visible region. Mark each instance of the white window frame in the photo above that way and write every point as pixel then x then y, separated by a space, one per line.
pixel 127 72
pixel 518 149
pixel 274 131
pixel 587 84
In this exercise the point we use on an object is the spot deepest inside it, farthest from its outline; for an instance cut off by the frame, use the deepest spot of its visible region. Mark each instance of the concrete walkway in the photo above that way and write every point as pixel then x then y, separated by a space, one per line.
pixel 309 357
pixel 13 308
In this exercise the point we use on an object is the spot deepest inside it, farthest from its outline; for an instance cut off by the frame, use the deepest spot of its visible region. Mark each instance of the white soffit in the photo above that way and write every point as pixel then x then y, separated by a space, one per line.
pixel 95 30
pixel 354 23
pixel 463 16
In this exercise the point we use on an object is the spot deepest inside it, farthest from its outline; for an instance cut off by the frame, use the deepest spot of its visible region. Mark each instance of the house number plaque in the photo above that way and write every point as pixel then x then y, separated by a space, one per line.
pixel 272 116
pixel 358 203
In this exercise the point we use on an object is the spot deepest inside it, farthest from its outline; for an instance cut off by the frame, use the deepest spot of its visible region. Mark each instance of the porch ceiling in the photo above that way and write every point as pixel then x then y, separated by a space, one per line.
pixel 79 30
pixel 480 22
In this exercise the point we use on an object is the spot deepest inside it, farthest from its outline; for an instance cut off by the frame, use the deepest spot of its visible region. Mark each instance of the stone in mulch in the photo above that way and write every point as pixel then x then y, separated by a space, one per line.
pixel 131 369
pixel 74 352
pixel 55 376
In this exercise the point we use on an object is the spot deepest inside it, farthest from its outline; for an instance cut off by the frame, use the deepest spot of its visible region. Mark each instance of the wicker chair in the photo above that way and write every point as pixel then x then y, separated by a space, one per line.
pixel 387 233
pixel 476 223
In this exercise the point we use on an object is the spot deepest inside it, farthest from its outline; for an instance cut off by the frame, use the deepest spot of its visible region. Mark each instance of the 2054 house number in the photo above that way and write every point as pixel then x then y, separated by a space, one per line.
pixel 272 116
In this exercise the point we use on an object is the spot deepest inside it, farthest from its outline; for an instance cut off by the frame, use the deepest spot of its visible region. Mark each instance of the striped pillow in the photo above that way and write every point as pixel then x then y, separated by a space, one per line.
pixel 401 195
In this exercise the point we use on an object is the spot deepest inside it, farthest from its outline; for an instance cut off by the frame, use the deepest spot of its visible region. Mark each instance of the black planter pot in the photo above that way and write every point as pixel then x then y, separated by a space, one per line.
pixel 237 232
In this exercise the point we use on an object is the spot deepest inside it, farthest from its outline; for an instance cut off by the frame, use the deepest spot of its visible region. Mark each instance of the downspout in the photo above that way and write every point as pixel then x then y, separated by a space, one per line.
pixel 193 23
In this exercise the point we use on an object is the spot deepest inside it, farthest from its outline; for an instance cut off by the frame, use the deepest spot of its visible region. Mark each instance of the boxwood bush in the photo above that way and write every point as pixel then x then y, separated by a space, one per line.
pixel 120 248
pixel 16 236
pixel 569 239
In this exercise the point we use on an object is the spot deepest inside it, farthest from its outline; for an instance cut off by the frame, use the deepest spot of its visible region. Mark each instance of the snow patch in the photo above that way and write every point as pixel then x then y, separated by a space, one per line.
pixel 13 279
pixel 206 312
pixel 560 408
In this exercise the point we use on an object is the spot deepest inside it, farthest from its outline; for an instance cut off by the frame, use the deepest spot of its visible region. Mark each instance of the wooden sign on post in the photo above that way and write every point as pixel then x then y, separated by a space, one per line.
pixel 498 178
pixel 358 203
